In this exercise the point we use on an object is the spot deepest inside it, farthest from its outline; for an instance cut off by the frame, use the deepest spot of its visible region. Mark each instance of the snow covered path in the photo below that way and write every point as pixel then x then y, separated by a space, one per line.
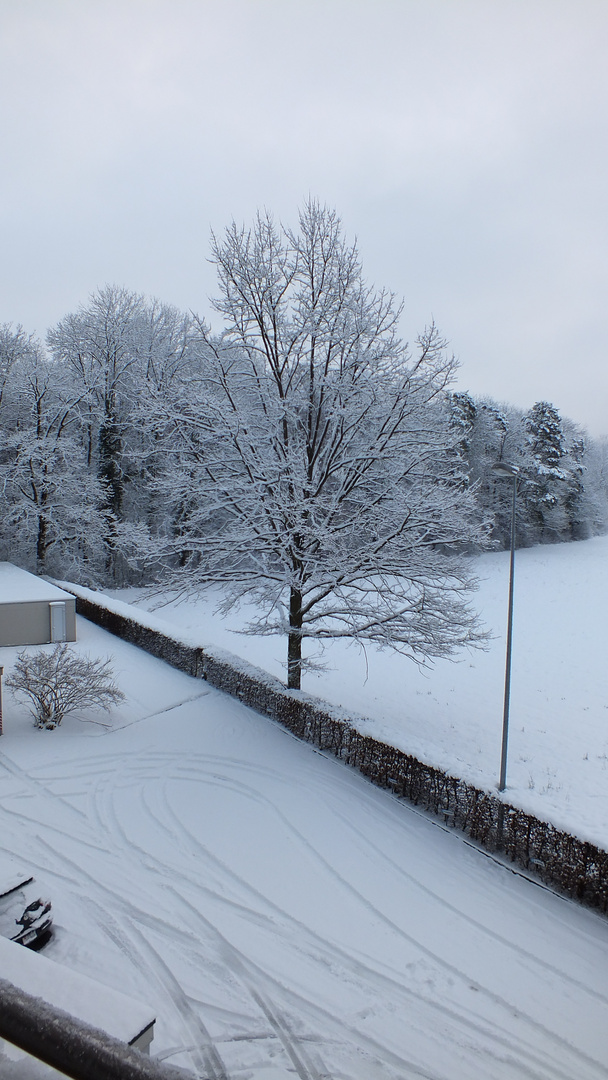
pixel 283 917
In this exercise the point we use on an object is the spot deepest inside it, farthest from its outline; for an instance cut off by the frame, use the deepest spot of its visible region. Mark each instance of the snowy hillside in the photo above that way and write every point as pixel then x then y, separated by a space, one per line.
pixel 451 714
pixel 281 916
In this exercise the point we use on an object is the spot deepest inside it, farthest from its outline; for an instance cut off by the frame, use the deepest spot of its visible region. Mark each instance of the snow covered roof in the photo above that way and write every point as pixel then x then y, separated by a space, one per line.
pixel 18 586
pixel 76 994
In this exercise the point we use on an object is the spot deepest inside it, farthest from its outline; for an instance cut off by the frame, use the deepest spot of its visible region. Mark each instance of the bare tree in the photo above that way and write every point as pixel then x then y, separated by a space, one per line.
pixel 114 349
pixel 99 345
pixel 62 682
pixel 50 499
pixel 318 469
pixel 15 346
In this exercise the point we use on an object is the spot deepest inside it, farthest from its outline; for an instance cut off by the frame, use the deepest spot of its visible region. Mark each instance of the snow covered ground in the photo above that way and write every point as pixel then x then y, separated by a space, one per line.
pixel 283 917
pixel 451 715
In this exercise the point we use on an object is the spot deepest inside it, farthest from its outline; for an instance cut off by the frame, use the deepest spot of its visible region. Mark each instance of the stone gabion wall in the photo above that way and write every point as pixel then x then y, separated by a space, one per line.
pixel 576 868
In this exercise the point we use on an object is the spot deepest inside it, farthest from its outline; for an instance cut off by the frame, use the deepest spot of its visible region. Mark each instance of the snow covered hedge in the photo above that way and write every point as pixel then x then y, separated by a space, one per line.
pixel 577 868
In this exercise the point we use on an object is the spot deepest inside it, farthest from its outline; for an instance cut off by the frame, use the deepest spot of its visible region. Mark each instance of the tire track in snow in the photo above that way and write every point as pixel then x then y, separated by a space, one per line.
pixel 37 787
pixel 479 927
pixel 237 963
pixel 364 1044
pixel 496 1033
pixel 160 712
pixel 366 903
pixel 397 809
pixel 145 957
pixel 508 943
pixel 210 1059
pixel 305 1069
pixel 142 770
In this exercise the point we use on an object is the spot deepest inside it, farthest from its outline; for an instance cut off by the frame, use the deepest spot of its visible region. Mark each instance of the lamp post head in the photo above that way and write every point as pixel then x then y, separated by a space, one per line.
pixel 504 468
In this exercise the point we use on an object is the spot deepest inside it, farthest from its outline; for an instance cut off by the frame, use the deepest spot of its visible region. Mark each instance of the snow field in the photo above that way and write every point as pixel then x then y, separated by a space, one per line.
pixel 283 917
pixel 450 715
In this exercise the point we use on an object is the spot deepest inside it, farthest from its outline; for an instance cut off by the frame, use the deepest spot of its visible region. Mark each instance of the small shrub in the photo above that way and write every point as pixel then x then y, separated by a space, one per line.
pixel 61 682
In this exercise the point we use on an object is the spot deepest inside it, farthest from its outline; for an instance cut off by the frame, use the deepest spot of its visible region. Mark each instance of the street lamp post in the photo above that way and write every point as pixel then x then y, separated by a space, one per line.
pixel 510 472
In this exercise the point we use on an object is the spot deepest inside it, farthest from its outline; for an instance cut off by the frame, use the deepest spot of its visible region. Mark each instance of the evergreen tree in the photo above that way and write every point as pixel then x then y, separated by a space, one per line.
pixel 462 413
pixel 546 490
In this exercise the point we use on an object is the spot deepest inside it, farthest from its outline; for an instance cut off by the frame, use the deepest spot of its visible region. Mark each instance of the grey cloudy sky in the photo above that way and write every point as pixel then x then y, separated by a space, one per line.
pixel 464 143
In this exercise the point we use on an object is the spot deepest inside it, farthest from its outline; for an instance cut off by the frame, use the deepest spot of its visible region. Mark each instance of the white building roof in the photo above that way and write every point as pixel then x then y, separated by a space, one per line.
pixel 19 587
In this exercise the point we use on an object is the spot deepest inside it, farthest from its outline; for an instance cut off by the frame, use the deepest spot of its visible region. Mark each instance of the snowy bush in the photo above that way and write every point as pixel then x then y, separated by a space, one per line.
pixel 61 682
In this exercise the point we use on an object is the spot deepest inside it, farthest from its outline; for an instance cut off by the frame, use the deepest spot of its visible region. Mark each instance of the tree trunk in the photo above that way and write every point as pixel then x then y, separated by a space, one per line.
pixel 110 470
pixel 294 641
pixel 41 541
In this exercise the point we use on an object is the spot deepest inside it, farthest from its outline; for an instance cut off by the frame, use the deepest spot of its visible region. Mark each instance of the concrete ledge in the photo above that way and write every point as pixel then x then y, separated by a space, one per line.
pixel 74 1048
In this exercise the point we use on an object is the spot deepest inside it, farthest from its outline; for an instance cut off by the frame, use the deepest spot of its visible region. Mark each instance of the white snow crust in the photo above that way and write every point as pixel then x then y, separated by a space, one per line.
pixel 18 586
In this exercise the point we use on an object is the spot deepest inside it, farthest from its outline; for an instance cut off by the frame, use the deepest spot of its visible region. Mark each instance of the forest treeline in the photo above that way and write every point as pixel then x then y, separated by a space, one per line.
pixel 91 474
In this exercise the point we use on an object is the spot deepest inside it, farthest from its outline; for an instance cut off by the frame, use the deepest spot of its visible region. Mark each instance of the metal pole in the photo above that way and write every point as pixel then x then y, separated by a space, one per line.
pixel 502 783
pixel 1 674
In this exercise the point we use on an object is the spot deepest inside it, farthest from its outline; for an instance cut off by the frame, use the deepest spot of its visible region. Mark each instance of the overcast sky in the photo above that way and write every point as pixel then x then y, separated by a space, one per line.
pixel 463 142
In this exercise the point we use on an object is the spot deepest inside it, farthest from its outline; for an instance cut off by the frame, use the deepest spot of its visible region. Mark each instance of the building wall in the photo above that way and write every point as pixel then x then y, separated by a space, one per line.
pixel 30 623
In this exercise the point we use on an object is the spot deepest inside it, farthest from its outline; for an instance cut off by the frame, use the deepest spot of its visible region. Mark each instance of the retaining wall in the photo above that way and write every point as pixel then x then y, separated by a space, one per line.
pixel 576 868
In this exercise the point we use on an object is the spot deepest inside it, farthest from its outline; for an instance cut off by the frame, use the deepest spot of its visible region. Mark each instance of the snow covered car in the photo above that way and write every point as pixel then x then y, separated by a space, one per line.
pixel 24 916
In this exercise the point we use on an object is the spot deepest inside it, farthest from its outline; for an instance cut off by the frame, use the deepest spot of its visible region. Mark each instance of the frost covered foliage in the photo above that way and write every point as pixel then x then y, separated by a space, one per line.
pixel 562 488
pixel 57 683
pixel 77 459
pixel 317 475
pixel 115 351
pixel 52 513
pixel 103 437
